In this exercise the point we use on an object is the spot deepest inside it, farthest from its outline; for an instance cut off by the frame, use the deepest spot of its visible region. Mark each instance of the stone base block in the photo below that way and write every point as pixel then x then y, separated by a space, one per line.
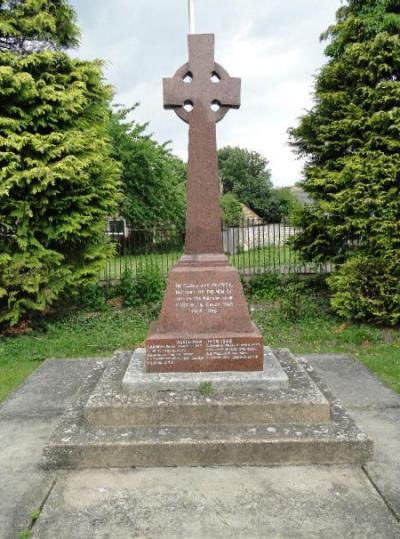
pixel 300 424
pixel 137 380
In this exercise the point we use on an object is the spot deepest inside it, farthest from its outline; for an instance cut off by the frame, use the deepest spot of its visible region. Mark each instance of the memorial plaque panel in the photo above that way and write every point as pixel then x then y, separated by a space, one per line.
pixel 203 354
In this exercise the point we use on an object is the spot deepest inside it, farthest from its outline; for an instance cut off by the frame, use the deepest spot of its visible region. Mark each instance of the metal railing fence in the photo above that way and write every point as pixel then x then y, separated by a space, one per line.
pixel 253 246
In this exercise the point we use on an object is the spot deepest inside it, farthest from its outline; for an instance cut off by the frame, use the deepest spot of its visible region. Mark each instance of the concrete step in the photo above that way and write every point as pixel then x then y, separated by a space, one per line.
pixel 256 445
pixel 230 402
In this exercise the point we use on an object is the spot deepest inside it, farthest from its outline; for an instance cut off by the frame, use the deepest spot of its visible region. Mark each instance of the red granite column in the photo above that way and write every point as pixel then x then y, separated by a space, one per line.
pixel 203 218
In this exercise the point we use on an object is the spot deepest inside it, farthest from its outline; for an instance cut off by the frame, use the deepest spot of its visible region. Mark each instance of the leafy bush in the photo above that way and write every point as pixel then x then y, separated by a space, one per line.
pixel 153 179
pixel 92 297
pixel 290 205
pixel 301 301
pixel 290 297
pixel 262 287
pixel 146 288
pixel 367 289
pixel 232 210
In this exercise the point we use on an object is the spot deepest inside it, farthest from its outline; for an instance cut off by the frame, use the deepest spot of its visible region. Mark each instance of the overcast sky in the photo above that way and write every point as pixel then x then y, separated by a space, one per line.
pixel 272 45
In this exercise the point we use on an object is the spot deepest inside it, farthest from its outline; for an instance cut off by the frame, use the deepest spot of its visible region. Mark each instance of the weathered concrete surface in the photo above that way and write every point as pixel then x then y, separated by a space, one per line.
pixel 137 380
pixel 23 484
pixel 384 470
pixel 351 382
pixel 74 447
pixel 376 407
pixel 223 503
pixel 49 390
pixel 20 495
pixel 27 419
pixel 21 443
pixel 267 502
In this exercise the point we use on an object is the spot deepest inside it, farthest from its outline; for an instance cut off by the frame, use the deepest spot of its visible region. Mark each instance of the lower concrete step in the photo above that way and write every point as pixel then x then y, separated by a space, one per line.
pixel 259 445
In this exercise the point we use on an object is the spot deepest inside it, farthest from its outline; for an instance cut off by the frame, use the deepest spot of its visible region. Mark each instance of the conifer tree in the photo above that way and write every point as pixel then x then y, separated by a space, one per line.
pixel 351 142
pixel 58 182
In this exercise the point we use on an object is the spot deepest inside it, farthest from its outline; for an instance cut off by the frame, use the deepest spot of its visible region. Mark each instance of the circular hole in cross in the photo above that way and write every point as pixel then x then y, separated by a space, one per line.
pixel 188 106
pixel 215 105
pixel 215 78
pixel 188 78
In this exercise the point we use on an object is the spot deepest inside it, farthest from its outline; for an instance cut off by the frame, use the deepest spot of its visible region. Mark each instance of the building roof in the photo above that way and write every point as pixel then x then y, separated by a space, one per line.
pixel 250 214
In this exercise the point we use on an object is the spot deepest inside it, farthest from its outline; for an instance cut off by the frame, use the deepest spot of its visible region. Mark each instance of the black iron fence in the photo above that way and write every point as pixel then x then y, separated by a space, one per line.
pixel 254 247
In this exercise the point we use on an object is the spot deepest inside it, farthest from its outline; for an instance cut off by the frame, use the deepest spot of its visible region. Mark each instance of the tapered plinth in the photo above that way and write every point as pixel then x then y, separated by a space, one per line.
pixel 205 323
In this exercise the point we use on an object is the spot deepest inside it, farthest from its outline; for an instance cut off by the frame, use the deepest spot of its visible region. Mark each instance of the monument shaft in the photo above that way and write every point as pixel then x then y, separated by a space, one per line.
pixel 203 219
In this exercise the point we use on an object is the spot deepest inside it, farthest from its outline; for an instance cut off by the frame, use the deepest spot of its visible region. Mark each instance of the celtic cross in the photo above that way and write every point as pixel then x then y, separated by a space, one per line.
pixel 201 93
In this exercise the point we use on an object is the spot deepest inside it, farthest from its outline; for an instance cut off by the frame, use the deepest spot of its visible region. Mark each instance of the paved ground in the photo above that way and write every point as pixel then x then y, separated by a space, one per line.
pixel 194 503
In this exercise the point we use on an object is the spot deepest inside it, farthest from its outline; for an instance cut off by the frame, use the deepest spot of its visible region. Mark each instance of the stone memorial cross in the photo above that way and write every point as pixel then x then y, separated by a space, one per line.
pixel 201 93
pixel 204 324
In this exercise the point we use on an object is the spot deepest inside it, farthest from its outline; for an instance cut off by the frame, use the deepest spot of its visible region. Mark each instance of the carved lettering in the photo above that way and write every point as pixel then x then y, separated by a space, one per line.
pixel 204 298
pixel 187 350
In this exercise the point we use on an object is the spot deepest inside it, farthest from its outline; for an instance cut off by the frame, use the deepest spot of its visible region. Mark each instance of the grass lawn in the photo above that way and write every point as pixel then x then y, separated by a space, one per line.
pixel 272 257
pixel 77 335
pixel 377 348
pixel 99 334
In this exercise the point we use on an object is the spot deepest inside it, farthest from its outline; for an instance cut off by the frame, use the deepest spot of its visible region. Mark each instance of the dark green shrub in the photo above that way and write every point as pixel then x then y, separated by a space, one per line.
pixel 359 334
pixel 301 300
pixel 262 287
pixel 289 297
pixel 367 289
pixel 93 298
pixel 127 288
pixel 144 289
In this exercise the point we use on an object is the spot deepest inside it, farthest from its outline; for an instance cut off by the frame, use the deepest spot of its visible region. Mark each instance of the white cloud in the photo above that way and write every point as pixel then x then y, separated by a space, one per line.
pixel 272 45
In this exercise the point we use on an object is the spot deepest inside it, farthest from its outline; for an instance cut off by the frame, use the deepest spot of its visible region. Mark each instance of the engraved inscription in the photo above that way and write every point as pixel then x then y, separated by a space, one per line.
pixel 180 350
pixel 204 298
pixel 223 348
pixel 189 350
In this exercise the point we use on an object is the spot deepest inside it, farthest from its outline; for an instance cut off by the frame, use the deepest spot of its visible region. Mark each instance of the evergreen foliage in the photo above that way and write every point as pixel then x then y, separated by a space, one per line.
pixel 351 140
pixel 153 180
pixel 58 182
pixel 28 25
pixel 367 288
